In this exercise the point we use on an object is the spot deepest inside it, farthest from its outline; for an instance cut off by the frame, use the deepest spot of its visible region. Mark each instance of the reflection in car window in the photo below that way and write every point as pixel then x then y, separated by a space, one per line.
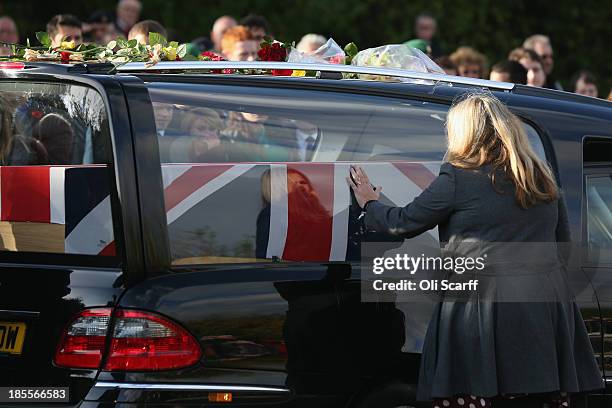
pixel 253 174
pixel 55 190
pixel 599 218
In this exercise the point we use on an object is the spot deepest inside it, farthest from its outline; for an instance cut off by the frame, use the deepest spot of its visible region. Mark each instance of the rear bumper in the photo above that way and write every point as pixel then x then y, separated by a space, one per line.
pixel 111 394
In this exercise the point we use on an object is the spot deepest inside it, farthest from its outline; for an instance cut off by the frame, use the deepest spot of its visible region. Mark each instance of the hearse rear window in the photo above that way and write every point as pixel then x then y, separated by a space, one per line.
pixel 252 174
pixel 54 183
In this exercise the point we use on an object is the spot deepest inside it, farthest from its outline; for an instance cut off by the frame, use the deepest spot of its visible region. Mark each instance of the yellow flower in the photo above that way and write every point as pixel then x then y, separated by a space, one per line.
pixel 298 73
pixel 68 45
pixel 170 53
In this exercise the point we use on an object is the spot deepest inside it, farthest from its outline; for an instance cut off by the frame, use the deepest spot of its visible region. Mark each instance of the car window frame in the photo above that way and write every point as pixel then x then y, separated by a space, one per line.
pixel 51 260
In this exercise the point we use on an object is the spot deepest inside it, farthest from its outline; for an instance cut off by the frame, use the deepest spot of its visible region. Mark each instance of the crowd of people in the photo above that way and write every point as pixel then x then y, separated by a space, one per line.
pixel 239 40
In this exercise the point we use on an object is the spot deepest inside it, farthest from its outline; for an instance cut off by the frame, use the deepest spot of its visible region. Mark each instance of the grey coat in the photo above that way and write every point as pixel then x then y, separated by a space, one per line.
pixel 489 348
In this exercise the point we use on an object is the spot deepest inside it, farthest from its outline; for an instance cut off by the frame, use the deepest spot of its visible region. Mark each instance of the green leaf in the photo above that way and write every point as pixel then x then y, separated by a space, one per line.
pixel 351 49
pixel 28 42
pixel 132 43
pixel 111 45
pixel 43 38
pixel 173 44
pixel 181 51
pixel 156 38
pixel 122 42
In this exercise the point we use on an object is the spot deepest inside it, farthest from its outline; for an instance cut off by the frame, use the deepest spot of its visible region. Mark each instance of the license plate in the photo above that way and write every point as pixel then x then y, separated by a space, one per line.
pixel 12 335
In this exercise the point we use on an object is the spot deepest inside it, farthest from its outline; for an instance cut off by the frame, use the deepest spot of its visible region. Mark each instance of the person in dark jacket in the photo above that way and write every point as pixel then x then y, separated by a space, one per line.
pixel 494 190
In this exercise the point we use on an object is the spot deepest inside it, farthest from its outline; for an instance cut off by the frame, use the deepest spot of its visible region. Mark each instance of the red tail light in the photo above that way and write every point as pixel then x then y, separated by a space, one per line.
pixel 82 344
pixel 140 341
pixel 11 65
pixel 146 341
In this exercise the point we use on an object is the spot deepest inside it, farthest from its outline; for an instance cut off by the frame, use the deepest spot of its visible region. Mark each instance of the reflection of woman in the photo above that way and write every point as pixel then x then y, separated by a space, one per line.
pixel 307 215
pixel 492 189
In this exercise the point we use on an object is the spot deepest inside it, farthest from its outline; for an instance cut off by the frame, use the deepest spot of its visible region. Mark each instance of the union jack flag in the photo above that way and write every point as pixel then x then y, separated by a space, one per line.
pixel 293 211
pixel 74 198
pixel 303 212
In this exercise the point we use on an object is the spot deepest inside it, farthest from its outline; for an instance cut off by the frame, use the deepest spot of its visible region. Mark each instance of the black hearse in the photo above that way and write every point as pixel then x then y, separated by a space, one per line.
pixel 150 258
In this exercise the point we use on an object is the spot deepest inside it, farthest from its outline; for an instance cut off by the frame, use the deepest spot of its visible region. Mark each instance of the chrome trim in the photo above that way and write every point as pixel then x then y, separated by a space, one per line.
pixel 189 387
pixel 393 72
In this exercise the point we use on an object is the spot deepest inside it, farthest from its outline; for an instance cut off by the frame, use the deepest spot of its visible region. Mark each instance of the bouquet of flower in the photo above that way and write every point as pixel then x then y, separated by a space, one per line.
pixel 328 53
pixel 395 56
pixel 118 51
pixel 275 51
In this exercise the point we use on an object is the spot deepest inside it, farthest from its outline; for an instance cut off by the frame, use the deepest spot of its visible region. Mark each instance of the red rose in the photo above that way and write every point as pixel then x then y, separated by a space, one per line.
pixel 65 57
pixel 264 53
pixel 282 72
pixel 211 56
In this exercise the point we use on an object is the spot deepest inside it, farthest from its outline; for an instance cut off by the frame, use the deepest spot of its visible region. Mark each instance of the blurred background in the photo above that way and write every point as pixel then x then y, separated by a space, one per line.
pixel 580 32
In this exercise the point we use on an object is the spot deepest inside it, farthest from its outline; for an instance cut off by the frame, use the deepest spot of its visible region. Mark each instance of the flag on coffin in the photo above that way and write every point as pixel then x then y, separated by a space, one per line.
pixel 56 209
pixel 294 211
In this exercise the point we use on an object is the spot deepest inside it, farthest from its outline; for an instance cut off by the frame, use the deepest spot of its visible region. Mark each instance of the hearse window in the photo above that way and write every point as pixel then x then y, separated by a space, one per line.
pixel 256 173
pixel 54 181
pixel 599 218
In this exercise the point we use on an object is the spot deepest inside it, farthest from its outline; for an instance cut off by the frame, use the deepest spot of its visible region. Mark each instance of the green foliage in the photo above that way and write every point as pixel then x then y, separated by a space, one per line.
pixel 156 38
pixel 350 50
pixel 43 38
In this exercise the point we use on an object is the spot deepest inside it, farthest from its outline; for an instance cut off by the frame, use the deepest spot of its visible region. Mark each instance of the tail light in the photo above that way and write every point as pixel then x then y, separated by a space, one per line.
pixel 145 341
pixel 11 65
pixel 140 341
pixel 82 344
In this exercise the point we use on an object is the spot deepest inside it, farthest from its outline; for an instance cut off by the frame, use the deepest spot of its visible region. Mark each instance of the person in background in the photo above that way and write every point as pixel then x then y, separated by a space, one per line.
pixel 584 83
pixel 310 43
pixel 99 28
pixel 238 44
pixel 541 45
pixel 446 64
pixel 509 71
pixel 198 45
pixel 128 14
pixel 221 25
pixel 8 34
pixel 64 27
pixel 425 27
pixel 469 62
pixel 257 25
pixel 532 63
pixel 140 31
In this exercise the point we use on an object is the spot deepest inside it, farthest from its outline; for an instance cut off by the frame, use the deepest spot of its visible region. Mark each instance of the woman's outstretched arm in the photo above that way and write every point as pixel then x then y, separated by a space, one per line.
pixel 430 208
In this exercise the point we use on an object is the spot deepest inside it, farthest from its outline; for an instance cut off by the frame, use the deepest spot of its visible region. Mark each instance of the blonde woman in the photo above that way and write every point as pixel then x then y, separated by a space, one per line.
pixel 492 188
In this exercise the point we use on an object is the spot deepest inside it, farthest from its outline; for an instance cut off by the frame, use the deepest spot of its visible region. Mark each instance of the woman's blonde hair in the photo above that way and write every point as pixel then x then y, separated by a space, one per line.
pixel 482 130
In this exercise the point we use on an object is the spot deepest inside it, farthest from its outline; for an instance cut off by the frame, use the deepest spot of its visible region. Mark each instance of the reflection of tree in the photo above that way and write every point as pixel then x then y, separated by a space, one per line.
pixel 204 241
pixel 245 247
pixel 254 328
pixel 84 104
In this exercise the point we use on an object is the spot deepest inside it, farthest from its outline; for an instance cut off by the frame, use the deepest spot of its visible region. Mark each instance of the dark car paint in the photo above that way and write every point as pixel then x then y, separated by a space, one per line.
pixel 310 298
